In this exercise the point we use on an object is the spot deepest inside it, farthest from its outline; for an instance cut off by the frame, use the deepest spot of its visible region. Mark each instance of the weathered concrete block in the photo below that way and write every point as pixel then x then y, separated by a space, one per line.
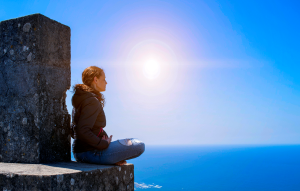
pixel 34 77
pixel 66 176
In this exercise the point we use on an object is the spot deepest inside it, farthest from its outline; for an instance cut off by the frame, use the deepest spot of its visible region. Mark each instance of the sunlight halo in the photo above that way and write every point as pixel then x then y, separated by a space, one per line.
pixel 151 69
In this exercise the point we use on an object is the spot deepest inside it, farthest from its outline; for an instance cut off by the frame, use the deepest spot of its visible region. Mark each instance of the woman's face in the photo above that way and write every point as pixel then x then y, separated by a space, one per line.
pixel 100 83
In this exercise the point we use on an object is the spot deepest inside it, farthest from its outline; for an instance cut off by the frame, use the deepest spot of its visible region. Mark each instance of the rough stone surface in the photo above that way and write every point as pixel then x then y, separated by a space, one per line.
pixel 34 77
pixel 66 176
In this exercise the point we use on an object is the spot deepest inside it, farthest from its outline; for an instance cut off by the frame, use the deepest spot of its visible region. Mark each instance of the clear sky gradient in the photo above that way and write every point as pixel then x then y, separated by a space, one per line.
pixel 219 72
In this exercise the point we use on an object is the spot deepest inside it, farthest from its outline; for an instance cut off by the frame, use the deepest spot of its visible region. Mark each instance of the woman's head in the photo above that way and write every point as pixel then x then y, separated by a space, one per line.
pixel 94 77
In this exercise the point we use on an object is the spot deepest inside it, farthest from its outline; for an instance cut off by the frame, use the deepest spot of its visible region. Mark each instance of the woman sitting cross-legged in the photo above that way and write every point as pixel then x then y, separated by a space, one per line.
pixel 91 143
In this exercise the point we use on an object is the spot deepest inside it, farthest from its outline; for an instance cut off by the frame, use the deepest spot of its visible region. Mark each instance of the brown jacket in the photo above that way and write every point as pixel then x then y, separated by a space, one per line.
pixel 88 118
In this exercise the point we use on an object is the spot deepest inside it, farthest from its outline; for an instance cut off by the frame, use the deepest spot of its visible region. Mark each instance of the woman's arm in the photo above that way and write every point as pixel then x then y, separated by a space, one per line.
pixel 91 107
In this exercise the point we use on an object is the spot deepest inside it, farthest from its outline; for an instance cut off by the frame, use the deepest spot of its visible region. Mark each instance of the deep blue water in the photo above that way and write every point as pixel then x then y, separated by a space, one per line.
pixel 211 168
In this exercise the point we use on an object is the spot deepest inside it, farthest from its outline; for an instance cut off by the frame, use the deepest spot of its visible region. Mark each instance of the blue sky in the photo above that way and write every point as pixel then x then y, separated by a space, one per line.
pixel 227 71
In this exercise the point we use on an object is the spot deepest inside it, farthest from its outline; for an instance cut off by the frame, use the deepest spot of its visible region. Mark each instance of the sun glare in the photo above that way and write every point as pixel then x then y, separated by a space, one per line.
pixel 151 69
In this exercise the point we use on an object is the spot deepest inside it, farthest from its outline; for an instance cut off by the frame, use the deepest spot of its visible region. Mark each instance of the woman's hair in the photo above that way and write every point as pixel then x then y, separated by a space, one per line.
pixel 87 78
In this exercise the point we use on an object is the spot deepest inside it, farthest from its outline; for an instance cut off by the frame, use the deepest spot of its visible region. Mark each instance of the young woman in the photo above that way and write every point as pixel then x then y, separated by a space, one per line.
pixel 91 143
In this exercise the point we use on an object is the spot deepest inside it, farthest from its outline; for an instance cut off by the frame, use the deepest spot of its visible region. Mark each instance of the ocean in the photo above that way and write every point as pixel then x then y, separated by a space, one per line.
pixel 211 168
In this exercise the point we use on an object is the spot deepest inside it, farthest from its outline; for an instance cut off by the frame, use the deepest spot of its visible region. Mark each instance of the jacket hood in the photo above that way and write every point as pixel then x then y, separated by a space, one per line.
pixel 81 95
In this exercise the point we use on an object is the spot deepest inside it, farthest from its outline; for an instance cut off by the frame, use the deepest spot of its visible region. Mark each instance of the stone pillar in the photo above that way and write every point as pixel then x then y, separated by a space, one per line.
pixel 34 77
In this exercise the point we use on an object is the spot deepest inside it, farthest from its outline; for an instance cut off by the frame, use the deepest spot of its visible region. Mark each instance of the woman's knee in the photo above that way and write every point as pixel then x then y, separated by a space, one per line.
pixel 139 146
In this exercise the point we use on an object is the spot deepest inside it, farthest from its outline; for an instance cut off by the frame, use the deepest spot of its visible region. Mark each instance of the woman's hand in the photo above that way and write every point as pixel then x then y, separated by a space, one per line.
pixel 107 139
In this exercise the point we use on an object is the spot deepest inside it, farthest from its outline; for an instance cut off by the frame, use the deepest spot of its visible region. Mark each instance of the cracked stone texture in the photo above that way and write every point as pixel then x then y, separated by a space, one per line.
pixel 66 176
pixel 34 77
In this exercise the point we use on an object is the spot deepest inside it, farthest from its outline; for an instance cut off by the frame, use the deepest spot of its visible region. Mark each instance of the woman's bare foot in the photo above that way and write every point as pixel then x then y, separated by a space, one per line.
pixel 121 163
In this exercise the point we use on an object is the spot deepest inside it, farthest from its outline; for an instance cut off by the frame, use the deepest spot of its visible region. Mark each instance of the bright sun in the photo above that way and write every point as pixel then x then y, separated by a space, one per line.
pixel 151 69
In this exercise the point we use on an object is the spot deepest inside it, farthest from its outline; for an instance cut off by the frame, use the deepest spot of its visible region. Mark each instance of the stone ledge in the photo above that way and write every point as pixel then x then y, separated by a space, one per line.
pixel 66 176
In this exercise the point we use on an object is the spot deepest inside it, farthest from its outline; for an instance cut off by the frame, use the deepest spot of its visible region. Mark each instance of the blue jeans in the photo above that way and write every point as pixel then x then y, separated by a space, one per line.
pixel 116 152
